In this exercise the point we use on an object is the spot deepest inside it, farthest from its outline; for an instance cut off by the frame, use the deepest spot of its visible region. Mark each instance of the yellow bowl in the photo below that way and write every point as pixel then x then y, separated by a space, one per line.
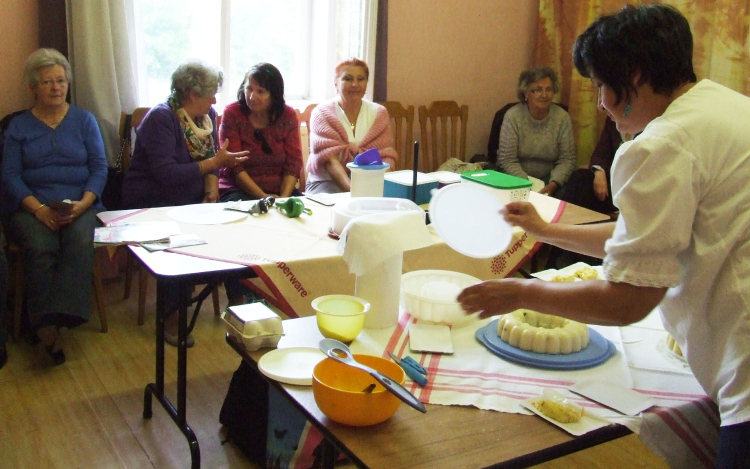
pixel 339 391
pixel 340 317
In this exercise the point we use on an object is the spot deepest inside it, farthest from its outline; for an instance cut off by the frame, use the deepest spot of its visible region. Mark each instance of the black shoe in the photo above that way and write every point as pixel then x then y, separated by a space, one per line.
pixel 58 357
pixel 52 339
pixel 3 356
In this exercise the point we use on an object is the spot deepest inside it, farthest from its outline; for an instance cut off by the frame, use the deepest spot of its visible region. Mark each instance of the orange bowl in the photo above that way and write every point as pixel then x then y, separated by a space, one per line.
pixel 339 391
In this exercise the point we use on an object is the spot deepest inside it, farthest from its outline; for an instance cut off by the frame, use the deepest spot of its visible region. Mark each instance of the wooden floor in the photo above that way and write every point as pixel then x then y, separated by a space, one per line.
pixel 87 413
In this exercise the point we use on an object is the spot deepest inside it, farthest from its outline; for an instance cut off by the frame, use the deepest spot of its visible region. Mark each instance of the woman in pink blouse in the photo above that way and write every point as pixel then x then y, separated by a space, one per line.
pixel 261 123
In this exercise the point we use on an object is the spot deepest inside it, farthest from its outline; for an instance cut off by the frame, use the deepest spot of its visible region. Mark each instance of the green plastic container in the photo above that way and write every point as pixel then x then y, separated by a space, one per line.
pixel 504 186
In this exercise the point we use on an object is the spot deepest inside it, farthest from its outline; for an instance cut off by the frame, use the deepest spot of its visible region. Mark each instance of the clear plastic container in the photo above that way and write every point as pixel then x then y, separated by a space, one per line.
pixel 254 325
pixel 345 210
pixel 430 295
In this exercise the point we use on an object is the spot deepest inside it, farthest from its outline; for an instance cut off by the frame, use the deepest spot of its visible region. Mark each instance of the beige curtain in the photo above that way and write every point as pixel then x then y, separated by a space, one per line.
pixel 101 54
pixel 721 36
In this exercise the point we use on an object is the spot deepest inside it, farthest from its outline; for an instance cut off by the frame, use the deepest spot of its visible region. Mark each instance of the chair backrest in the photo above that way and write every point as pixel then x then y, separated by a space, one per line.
pixel 126 132
pixel 402 122
pixel 434 149
pixel 304 118
pixel 497 123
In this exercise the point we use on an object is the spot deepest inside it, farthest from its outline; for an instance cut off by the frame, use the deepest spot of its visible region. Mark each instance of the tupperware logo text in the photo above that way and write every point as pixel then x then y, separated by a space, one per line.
pixel 516 246
pixel 292 278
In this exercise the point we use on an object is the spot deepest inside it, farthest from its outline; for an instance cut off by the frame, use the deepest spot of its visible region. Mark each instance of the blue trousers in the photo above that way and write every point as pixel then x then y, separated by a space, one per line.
pixel 3 289
pixel 58 267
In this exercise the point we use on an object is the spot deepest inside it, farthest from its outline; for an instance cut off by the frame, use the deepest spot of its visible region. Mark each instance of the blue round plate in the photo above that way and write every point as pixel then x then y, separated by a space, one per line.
pixel 598 351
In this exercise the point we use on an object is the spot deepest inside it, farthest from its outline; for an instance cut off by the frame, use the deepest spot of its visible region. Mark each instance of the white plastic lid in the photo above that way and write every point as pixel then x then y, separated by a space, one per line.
pixel 406 177
pixel 469 220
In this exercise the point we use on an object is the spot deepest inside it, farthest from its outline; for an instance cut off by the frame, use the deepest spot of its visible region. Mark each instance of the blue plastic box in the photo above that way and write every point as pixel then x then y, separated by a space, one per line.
pixel 398 185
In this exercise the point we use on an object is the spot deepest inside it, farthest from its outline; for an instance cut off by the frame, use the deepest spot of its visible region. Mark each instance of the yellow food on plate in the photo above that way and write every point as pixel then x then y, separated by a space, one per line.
pixel 558 411
pixel 673 346
pixel 587 273
pixel 542 333
pixel 563 278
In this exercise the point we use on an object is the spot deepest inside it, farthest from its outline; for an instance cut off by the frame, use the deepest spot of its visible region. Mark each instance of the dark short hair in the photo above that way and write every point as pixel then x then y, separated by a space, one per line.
pixel 268 77
pixel 654 40
pixel 528 77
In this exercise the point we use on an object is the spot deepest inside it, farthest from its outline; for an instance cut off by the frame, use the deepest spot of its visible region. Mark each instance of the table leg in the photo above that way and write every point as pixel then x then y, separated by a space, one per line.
pixel 328 454
pixel 178 415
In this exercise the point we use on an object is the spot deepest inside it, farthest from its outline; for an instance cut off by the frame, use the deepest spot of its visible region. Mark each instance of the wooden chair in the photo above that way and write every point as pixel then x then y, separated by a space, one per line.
pixel 304 118
pixel 135 120
pixel 131 265
pixel 402 121
pixel 433 155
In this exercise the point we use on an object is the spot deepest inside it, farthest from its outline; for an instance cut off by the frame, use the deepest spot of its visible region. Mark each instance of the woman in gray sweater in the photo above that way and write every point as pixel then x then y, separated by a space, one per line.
pixel 536 138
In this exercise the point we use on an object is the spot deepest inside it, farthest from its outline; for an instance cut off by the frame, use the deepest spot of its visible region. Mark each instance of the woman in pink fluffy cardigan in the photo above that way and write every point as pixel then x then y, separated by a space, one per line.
pixel 342 128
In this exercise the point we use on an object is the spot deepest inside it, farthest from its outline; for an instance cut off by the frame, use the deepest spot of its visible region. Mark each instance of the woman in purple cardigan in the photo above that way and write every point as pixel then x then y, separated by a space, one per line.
pixel 177 157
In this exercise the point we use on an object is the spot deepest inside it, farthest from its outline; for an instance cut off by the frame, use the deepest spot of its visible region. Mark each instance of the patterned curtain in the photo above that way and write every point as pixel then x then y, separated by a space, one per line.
pixel 721 36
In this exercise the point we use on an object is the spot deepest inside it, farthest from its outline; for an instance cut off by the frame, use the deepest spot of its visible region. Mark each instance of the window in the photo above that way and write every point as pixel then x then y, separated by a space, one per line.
pixel 294 35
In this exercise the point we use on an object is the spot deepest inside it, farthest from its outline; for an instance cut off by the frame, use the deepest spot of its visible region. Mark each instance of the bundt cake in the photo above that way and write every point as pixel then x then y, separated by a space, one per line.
pixel 542 333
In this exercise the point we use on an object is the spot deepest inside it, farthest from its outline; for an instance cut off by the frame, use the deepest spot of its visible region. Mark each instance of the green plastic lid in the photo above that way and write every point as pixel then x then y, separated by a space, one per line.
pixel 497 180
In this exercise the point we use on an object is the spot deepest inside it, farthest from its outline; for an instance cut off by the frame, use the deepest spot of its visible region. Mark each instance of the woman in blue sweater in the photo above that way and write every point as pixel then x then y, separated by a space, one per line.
pixel 54 152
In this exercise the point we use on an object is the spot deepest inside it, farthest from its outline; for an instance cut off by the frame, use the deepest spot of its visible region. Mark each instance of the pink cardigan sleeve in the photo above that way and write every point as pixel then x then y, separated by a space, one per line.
pixel 327 137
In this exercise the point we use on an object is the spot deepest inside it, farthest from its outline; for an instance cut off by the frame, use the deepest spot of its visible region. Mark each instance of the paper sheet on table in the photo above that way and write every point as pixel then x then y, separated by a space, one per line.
pixel 135 232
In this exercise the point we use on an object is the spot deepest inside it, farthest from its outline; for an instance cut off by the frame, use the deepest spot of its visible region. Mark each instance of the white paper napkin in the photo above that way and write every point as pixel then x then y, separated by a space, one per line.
pixel 368 240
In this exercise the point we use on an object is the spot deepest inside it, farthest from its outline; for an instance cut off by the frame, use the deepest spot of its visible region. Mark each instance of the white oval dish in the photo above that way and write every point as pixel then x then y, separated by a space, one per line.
pixel 293 365
pixel 204 214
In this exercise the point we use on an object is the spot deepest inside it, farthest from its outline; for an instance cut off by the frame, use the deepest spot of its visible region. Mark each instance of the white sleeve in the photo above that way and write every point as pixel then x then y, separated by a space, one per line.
pixel 655 186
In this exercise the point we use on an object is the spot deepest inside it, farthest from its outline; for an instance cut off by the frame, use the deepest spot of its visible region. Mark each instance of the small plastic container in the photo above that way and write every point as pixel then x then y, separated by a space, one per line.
pixel 399 184
pixel 254 324
pixel 505 187
pixel 367 180
pixel 342 212
pixel 340 317
pixel 445 177
pixel 430 295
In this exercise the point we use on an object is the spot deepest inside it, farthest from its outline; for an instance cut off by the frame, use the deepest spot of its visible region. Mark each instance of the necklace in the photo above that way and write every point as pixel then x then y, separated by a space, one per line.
pixel 55 121
pixel 353 126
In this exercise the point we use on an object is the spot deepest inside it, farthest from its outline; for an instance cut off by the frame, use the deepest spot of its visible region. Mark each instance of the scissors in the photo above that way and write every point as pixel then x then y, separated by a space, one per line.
pixel 412 368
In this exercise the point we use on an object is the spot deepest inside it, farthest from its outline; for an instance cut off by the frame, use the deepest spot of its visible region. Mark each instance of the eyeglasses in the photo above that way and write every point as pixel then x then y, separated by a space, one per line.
pixel 539 91
pixel 258 134
pixel 58 82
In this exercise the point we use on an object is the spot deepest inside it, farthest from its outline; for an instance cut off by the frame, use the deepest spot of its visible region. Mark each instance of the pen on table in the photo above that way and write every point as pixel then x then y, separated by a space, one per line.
pixel 414 370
